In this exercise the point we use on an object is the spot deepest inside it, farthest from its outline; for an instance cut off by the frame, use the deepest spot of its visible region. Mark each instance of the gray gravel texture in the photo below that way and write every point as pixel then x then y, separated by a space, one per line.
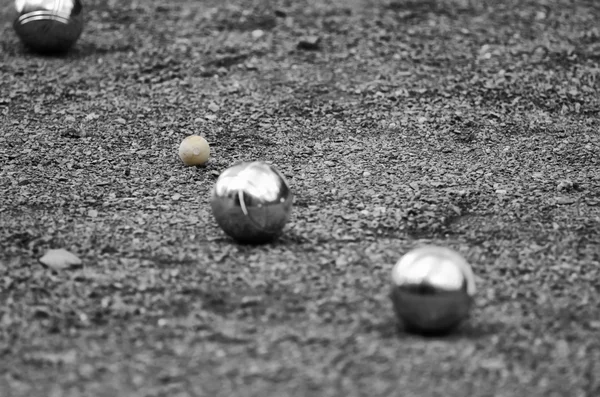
pixel 469 124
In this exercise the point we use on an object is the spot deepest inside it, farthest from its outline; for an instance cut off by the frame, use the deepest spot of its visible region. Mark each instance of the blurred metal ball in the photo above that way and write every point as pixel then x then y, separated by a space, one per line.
pixel 433 289
pixel 48 26
pixel 252 202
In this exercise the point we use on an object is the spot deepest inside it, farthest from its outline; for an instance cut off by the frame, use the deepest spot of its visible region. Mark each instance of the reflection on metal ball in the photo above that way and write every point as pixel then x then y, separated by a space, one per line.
pixel 433 289
pixel 252 202
pixel 49 26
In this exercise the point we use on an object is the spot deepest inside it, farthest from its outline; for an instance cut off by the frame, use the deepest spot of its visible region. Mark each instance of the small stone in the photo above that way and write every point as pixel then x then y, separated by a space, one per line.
pixel 309 43
pixel 251 64
pixel 248 301
pixel 213 107
pixel 564 185
pixel 540 15
pixel 86 370
pixel 60 259
pixel 258 33
pixel 71 133
pixel 565 200
pixel 539 53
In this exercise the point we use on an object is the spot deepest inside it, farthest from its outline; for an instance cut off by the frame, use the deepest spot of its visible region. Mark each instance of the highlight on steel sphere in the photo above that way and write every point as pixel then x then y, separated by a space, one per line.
pixel 252 202
pixel 49 26
pixel 432 290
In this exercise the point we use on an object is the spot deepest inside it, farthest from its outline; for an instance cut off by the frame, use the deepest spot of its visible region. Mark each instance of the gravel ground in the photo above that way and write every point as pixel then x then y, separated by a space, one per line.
pixel 469 124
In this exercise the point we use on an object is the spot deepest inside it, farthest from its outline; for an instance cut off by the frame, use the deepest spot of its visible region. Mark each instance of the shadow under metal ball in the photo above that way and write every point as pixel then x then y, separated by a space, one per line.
pixel 252 202
pixel 433 289
pixel 49 26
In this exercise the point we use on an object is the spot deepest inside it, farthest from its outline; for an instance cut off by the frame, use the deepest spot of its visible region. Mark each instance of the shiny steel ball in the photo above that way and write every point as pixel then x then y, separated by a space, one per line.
pixel 48 26
pixel 433 289
pixel 252 202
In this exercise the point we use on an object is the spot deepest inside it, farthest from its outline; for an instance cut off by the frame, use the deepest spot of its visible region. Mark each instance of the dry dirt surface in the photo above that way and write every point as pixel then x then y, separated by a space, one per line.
pixel 469 124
